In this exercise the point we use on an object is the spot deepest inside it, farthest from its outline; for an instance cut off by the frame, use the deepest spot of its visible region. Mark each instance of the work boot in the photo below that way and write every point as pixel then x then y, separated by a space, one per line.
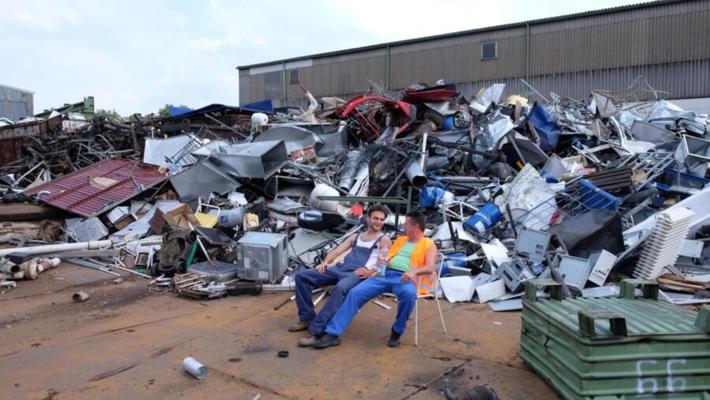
pixel 300 326
pixel 326 341
pixel 308 339
pixel 394 339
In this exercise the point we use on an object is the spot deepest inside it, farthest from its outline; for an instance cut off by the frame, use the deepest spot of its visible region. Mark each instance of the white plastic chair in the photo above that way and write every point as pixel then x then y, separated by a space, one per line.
pixel 440 262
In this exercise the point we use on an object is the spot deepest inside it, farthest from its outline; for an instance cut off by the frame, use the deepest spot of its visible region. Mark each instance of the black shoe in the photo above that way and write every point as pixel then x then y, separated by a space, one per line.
pixel 309 339
pixel 326 341
pixel 394 339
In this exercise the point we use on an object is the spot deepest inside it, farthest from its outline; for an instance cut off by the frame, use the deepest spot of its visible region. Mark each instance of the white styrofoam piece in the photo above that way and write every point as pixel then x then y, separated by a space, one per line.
pixel 506 305
pixel 457 288
pixel 495 252
pixel 490 291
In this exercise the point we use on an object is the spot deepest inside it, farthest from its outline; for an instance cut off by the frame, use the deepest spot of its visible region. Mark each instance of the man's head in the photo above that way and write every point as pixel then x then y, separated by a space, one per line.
pixel 414 224
pixel 376 216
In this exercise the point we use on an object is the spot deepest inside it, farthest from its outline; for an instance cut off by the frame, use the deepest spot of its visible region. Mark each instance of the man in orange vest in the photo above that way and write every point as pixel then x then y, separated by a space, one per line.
pixel 410 258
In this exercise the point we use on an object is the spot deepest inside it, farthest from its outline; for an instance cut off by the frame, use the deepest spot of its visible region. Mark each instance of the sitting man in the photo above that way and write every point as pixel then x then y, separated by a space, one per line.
pixel 410 257
pixel 344 275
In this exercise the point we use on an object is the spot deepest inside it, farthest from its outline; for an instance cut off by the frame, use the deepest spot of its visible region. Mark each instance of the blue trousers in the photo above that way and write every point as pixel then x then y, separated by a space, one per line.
pixel 309 279
pixel 406 293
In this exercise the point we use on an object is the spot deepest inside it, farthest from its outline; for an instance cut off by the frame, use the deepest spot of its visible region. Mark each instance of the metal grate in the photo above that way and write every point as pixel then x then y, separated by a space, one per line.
pixel 578 198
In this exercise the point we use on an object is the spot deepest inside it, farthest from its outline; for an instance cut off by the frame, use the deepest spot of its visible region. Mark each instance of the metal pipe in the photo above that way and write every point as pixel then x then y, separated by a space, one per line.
pixel 349 169
pixel 51 248
pixel 416 175
pixel 527 52
pixel 388 60
pixel 80 297
pixel 423 157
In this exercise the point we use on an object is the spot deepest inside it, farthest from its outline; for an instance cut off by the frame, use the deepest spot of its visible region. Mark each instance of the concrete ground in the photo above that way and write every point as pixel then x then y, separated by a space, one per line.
pixel 128 342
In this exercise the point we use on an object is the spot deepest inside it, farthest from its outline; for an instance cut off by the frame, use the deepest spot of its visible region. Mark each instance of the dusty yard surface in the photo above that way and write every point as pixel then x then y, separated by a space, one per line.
pixel 127 342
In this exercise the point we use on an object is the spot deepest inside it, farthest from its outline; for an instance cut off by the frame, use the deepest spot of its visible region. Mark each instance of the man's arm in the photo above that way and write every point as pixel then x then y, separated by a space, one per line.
pixel 430 266
pixel 335 253
pixel 428 269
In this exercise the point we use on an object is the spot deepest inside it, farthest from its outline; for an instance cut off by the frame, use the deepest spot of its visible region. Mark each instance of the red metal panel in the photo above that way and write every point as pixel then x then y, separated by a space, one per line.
pixel 81 193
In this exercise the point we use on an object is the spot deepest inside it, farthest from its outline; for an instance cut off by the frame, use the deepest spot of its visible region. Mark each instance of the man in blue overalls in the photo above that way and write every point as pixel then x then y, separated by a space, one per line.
pixel 344 275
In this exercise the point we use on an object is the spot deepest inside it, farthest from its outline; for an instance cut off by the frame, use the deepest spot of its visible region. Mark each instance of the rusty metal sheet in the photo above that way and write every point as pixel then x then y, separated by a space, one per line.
pixel 11 150
pixel 96 189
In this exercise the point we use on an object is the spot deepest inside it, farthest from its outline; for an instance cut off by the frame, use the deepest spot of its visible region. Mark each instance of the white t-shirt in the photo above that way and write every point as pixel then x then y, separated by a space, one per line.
pixel 372 261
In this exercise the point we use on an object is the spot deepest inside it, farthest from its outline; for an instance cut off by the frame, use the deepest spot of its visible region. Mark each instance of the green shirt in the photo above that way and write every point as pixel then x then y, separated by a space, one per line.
pixel 401 260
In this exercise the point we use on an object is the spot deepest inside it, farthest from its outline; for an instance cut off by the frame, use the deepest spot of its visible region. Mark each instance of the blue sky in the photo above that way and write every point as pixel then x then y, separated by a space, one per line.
pixel 136 56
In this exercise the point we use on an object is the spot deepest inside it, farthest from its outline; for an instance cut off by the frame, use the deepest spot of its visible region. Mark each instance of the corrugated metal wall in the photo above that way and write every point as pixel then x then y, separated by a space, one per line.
pixel 667 43
pixel 15 104
pixel 653 40
pixel 681 80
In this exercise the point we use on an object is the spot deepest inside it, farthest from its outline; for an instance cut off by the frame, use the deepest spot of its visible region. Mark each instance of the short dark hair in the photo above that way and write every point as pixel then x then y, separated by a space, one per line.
pixel 418 218
pixel 377 207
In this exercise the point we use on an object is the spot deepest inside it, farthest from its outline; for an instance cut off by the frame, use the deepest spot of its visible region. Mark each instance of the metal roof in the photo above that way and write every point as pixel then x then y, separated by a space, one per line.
pixel 583 14
pixel 96 189
pixel 16 88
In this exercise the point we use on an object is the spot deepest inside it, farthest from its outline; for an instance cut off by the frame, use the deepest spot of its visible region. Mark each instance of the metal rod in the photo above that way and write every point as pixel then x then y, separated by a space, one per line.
pixel 157 279
pixel 534 90
pixel 511 137
pixel 322 295
pixel 88 264
pixel 381 304
pixel 131 271
pixel 25 174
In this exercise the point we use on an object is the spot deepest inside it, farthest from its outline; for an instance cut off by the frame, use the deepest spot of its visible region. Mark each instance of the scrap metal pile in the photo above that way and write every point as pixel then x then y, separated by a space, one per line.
pixel 230 200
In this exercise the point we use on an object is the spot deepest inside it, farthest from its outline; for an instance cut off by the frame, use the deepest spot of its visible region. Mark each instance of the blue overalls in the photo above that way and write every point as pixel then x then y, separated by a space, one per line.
pixel 344 278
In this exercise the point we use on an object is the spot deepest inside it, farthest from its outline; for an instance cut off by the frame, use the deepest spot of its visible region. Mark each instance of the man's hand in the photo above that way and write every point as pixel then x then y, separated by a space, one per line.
pixel 408 276
pixel 322 267
pixel 362 272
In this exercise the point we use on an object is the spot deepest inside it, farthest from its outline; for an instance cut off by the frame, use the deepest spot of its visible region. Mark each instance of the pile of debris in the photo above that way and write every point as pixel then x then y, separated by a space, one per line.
pixel 231 200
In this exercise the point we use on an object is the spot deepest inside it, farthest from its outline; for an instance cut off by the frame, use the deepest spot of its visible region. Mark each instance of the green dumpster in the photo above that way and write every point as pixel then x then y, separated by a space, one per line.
pixel 618 348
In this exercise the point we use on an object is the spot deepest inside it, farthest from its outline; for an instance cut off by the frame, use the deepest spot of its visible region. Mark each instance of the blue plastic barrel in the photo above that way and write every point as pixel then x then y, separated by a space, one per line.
pixel 484 219
pixel 448 123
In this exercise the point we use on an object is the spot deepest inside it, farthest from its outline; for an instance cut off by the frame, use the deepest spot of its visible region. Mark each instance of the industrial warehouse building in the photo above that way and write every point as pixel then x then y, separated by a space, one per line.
pixel 15 103
pixel 667 42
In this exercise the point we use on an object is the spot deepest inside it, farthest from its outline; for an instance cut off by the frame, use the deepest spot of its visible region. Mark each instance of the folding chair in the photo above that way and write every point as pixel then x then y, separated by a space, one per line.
pixel 440 263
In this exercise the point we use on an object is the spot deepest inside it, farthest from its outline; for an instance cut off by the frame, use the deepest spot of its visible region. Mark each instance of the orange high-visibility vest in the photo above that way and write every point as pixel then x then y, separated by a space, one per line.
pixel 417 260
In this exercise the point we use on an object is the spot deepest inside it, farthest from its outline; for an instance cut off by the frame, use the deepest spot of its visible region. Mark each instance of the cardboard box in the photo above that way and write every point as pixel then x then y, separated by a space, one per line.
pixel 179 217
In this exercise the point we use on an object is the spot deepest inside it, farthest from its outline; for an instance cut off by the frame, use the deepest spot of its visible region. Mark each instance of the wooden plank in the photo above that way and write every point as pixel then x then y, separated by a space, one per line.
pixel 27 212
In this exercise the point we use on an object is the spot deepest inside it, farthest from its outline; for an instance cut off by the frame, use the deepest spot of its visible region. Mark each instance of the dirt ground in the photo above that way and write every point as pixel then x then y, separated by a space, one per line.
pixel 128 342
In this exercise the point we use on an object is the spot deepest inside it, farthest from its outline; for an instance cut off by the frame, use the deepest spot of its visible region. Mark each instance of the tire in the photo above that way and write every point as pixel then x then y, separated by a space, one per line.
pixel 434 117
